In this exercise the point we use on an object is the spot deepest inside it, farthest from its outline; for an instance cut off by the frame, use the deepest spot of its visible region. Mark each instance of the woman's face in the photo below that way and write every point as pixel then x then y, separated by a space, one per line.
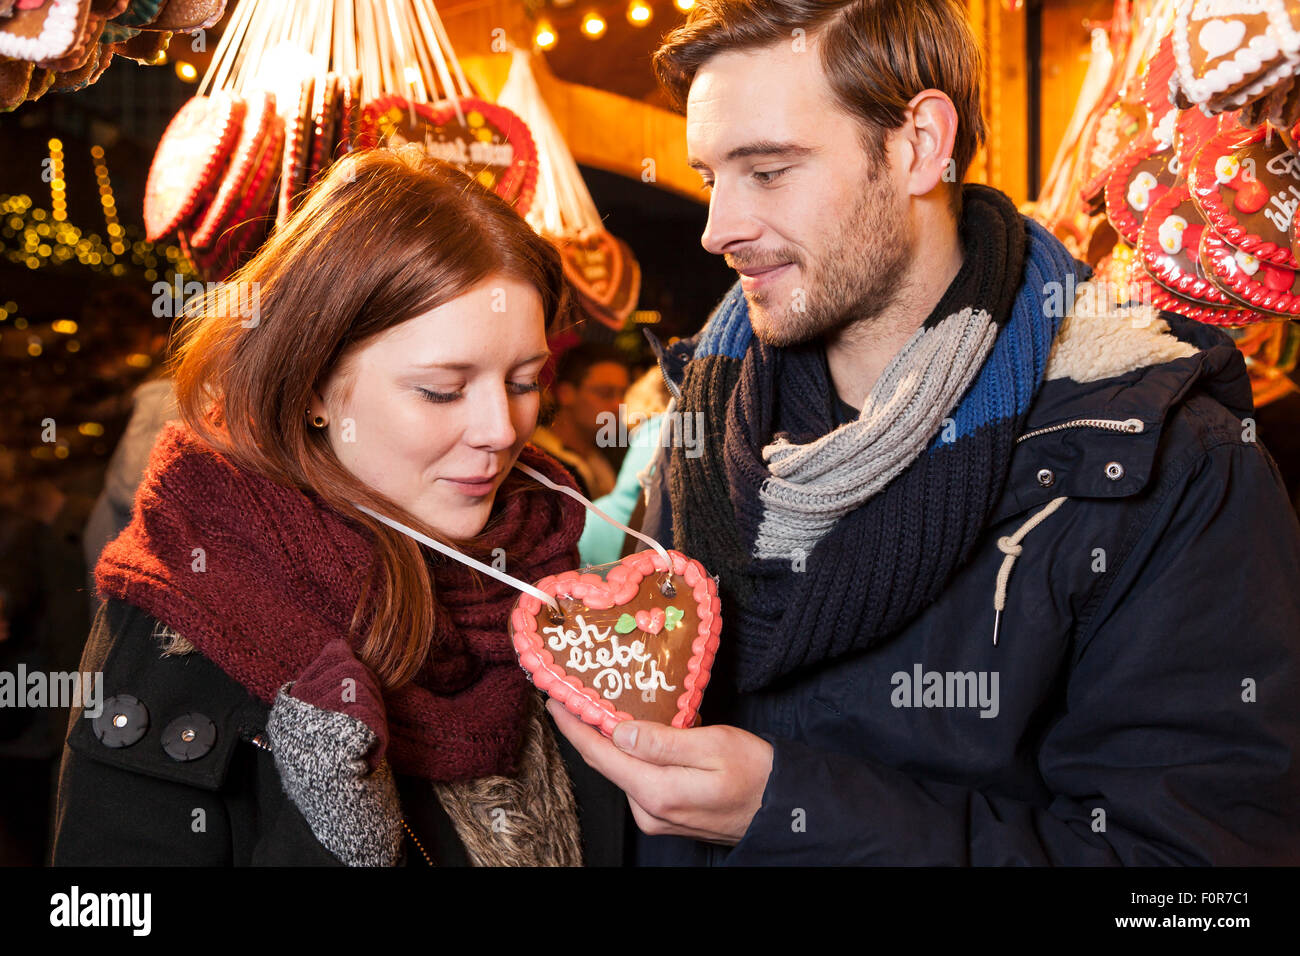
pixel 434 411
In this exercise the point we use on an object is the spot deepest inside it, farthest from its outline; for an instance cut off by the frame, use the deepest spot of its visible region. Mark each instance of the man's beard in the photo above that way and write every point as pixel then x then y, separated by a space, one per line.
pixel 856 277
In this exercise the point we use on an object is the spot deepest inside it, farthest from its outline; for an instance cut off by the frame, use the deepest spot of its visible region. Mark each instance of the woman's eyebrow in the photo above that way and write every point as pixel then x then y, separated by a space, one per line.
pixel 466 366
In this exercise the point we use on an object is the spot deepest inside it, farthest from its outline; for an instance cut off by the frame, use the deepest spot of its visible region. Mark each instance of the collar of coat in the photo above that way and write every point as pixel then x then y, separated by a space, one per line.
pixel 1107 363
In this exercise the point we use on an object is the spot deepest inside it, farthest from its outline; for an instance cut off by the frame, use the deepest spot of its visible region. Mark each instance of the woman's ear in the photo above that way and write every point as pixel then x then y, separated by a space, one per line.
pixel 316 406
pixel 931 132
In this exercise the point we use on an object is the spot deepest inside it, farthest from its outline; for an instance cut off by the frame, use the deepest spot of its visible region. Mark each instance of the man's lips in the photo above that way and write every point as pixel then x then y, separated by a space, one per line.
pixel 760 270
pixel 751 277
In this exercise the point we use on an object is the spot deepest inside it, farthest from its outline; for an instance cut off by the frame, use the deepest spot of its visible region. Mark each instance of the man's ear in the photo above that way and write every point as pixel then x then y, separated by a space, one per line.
pixel 565 394
pixel 930 133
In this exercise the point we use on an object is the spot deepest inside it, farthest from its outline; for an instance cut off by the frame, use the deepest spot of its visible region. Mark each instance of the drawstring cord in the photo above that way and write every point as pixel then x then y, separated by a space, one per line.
pixel 1011 547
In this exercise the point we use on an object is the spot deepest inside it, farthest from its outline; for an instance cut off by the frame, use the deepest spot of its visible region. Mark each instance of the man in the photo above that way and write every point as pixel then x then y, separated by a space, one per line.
pixel 1006 578
pixel 590 381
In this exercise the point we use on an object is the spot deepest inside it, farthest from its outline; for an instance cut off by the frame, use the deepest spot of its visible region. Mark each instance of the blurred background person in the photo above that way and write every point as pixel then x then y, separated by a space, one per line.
pixel 590 381
pixel 643 408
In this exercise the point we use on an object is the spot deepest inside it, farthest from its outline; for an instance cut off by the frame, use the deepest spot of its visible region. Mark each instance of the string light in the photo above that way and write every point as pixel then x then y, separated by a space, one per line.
pixel 58 187
pixel 593 24
pixel 684 5
pixel 34 237
pixel 639 13
pixel 186 71
pixel 545 36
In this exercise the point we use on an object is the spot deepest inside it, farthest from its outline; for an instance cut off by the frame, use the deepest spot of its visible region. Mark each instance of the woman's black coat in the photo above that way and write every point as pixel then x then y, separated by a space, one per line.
pixel 134 802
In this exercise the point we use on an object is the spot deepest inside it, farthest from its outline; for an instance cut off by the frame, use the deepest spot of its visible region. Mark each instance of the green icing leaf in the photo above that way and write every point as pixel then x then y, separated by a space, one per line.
pixel 672 617
pixel 626 624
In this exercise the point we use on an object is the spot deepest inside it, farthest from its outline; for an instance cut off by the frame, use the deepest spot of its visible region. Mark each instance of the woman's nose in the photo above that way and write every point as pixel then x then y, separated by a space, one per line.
pixel 491 425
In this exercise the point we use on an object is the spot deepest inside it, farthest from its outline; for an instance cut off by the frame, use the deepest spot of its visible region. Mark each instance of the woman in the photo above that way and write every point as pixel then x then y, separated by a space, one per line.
pixel 285 679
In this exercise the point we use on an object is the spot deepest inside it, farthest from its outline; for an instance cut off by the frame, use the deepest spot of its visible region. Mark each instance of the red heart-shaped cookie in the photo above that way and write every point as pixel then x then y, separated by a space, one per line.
pixel 625 647
pixel 1247 185
pixel 190 160
pixel 493 145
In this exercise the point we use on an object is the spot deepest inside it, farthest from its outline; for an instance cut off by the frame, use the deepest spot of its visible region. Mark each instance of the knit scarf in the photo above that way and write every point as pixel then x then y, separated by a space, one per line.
pixel 836 537
pixel 259 576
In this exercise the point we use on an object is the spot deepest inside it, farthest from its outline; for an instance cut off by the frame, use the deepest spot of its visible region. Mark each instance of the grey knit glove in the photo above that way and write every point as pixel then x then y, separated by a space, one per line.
pixel 328 734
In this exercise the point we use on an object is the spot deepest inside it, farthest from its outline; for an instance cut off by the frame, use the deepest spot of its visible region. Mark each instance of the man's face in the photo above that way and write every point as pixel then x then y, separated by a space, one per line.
pixel 820 238
pixel 599 393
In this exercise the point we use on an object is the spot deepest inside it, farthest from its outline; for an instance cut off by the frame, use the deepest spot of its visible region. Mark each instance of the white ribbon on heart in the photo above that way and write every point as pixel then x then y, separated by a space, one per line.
pixel 496 572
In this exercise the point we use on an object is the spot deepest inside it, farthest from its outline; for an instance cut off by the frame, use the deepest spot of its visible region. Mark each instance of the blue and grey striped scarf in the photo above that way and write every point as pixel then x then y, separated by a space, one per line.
pixel 835 538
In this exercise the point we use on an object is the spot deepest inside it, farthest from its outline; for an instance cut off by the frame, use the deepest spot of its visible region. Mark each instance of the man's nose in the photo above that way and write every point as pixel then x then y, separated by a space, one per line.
pixel 730 222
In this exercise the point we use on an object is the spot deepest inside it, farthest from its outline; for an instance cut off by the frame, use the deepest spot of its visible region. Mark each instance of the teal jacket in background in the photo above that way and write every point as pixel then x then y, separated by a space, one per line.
pixel 601 542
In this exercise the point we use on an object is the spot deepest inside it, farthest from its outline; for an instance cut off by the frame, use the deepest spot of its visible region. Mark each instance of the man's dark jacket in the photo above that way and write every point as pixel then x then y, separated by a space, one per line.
pixel 1148 660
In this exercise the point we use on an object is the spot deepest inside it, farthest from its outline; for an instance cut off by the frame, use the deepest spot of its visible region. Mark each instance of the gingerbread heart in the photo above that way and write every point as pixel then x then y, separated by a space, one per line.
pixel 593 264
pixel 44 32
pixel 493 144
pixel 1144 174
pixel 1261 285
pixel 190 160
pixel 1119 126
pixel 1169 246
pixel 1247 185
pixel 1231 317
pixel 297 143
pixel 1229 52
pixel 636 643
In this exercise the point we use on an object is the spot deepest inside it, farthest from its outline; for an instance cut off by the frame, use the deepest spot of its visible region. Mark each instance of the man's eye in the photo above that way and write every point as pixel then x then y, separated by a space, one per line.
pixel 767 177
pixel 438 397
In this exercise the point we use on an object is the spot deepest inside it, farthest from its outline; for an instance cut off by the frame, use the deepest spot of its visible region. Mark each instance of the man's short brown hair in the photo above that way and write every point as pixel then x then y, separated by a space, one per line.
pixel 877 55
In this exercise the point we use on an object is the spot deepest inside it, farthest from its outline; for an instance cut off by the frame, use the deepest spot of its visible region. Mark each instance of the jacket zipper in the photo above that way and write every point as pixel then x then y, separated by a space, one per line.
pixel 1131 426
pixel 659 352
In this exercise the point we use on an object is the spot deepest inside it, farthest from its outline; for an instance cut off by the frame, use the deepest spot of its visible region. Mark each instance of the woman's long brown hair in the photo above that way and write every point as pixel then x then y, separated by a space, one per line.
pixel 384 237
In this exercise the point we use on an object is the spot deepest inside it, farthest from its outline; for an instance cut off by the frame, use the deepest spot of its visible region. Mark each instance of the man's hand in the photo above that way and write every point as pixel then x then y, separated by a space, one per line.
pixel 706 783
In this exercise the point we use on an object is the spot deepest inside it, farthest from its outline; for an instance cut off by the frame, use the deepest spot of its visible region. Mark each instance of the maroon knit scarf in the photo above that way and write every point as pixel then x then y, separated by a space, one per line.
pixel 259 576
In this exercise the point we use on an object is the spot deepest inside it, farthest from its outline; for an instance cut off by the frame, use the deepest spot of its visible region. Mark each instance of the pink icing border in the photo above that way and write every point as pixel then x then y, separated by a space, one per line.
pixel 626 578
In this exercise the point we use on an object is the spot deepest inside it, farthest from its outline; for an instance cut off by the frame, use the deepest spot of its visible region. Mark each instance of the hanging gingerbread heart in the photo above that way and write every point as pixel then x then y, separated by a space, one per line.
pixel 1262 285
pixel 1247 185
pixel 47 31
pixel 1140 177
pixel 329 94
pixel 1229 52
pixel 249 158
pixel 1169 244
pixel 297 144
pixel 593 264
pixel 1155 84
pixel 634 643
pixel 493 144
pixel 1121 125
pixel 1167 301
pixel 190 160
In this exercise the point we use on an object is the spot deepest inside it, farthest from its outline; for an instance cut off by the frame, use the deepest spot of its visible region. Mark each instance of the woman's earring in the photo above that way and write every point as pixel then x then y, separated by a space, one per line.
pixel 317 421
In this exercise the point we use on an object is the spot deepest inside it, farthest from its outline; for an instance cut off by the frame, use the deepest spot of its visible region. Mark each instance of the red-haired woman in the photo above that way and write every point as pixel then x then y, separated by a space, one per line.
pixel 285 679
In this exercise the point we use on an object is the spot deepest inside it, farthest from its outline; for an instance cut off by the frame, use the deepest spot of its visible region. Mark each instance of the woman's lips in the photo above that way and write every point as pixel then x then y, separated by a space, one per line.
pixel 474 487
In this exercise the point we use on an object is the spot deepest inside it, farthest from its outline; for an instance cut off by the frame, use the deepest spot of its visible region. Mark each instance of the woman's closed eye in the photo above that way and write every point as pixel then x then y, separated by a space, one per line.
pixel 439 398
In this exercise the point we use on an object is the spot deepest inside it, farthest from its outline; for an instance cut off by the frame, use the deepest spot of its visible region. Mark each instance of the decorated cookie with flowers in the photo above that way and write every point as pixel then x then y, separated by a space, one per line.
pixel 635 640
pixel 1169 246
pixel 1247 185
pixel 1263 286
